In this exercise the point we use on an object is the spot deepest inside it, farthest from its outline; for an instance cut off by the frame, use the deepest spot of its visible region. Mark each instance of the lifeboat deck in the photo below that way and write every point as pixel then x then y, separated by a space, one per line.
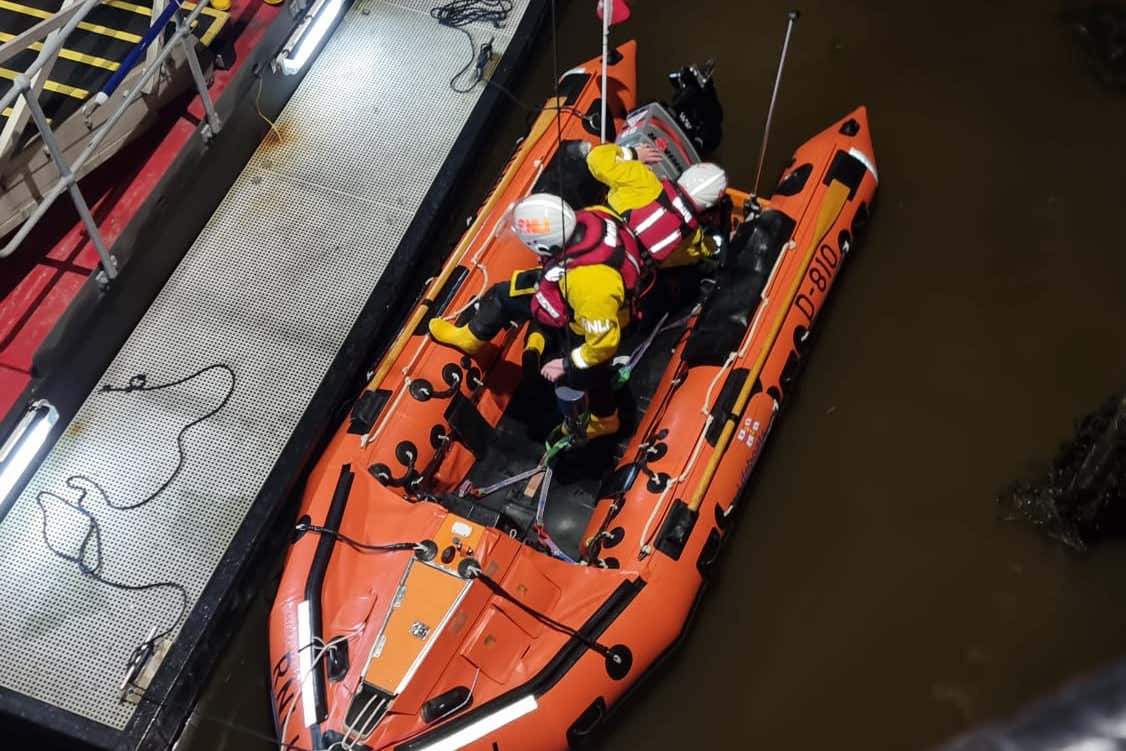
pixel 274 306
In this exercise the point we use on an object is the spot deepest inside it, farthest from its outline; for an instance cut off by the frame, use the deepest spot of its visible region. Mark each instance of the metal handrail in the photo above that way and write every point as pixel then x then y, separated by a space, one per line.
pixel 68 180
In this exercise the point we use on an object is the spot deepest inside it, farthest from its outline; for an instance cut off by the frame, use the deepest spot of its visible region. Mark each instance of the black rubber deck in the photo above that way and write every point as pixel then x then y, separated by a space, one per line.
pixel 579 474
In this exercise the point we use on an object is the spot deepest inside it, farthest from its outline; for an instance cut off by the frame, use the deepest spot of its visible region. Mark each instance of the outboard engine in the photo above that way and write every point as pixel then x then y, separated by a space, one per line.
pixel 696 105
pixel 691 125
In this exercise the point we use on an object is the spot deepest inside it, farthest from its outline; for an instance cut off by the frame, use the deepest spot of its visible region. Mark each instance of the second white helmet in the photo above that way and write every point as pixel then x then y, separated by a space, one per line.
pixel 705 183
pixel 544 222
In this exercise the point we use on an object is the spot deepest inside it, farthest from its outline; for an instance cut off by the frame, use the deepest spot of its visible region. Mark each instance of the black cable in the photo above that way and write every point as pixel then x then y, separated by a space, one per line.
pixel 543 618
pixel 457 14
pixel 477 574
pixel 139 383
pixel 453 15
pixel 352 543
pixel 559 108
pixel 91 545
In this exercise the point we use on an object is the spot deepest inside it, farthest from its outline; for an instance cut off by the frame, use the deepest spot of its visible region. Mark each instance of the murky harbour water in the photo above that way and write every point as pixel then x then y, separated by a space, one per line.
pixel 869 597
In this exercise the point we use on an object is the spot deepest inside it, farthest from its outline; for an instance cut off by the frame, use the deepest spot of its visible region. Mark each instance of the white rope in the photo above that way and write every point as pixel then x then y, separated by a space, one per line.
pixel 318 656
pixel 705 407
pixel 475 298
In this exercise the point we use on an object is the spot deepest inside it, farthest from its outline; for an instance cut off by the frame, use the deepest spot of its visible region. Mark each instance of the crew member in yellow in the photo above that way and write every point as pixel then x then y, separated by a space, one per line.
pixel 664 215
pixel 579 298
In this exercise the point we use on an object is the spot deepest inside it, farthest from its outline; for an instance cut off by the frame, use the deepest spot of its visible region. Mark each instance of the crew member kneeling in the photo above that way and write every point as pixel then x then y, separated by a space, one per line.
pixel 591 268
pixel 665 216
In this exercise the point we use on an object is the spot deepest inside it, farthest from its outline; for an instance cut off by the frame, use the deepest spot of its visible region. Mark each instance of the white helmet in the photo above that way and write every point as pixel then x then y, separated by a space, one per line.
pixel 543 222
pixel 705 183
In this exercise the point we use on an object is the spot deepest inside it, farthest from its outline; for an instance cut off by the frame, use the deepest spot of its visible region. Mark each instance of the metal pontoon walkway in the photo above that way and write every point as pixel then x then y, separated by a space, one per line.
pixel 272 288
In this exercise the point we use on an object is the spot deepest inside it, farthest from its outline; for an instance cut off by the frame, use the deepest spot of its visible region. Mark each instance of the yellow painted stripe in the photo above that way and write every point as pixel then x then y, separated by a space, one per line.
pixel 58 88
pixel 218 21
pixel 219 17
pixel 8 113
pixel 146 10
pixel 140 10
pixel 93 28
pixel 124 36
pixel 78 57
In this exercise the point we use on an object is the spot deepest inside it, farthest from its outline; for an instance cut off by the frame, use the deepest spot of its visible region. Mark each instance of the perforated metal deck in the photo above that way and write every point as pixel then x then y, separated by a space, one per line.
pixel 271 288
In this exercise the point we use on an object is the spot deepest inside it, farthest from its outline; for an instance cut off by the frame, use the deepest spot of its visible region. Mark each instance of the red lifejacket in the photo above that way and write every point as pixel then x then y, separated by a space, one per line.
pixel 599 239
pixel 663 224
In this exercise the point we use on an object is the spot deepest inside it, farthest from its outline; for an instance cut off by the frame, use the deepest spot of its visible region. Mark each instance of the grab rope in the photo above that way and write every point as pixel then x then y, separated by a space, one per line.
pixel 475 298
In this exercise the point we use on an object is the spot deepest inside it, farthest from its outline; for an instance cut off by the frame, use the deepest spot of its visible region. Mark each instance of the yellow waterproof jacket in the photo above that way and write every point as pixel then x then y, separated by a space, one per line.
pixel 597 297
pixel 600 310
pixel 633 185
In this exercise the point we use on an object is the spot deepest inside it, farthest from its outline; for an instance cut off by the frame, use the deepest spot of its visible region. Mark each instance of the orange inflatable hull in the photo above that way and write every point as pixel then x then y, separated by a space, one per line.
pixel 402 648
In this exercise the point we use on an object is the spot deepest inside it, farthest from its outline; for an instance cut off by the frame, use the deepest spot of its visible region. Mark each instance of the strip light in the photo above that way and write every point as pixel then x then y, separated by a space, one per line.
pixel 22 446
pixel 305 663
pixel 485 725
pixel 308 35
pixel 865 161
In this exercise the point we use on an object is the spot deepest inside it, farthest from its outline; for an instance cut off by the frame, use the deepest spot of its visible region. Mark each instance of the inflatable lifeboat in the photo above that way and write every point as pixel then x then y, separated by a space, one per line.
pixel 454 581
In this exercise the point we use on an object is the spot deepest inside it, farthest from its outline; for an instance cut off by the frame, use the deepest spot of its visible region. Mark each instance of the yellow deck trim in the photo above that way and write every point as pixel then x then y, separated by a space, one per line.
pixel 93 28
pixel 53 86
pixel 8 113
pixel 124 36
pixel 218 21
pixel 73 55
pixel 219 17
pixel 140 10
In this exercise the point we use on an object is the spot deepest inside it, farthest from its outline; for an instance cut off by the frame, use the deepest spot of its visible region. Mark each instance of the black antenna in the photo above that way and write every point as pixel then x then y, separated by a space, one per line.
pixel 792 18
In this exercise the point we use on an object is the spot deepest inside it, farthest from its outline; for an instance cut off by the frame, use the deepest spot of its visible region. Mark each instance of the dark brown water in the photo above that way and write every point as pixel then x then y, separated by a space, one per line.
pixel 870 598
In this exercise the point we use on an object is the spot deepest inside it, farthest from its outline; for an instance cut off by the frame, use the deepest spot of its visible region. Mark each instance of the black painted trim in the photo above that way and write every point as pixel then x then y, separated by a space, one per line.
pixel 314 584
pixel 437 306
pixel 725 402
pixel 848 170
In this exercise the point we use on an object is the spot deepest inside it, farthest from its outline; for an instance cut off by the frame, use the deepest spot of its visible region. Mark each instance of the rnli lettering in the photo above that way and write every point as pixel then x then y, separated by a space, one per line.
pixel 285 689
pixel 820 275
